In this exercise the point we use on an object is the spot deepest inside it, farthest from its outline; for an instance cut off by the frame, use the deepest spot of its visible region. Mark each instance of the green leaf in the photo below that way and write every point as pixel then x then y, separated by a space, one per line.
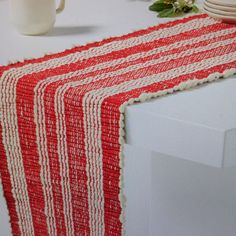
pixel 158 6
pixel 195 9
pixel 167 13
pixel 186 9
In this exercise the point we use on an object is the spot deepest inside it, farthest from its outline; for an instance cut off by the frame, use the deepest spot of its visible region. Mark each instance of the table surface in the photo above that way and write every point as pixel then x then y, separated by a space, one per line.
pixel 205 114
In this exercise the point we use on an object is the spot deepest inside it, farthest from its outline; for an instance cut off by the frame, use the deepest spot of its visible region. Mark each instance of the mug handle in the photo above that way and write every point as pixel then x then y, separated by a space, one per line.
pixel 61 6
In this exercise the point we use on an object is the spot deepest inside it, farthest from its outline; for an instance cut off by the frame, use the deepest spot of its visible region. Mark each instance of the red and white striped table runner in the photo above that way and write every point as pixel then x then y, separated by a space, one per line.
pixel 62 120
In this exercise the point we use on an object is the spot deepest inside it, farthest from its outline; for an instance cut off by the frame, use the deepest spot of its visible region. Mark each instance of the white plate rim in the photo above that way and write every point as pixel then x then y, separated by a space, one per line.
pixel 217 2
pixel 218 7
pixel 223 13
pixel 220 17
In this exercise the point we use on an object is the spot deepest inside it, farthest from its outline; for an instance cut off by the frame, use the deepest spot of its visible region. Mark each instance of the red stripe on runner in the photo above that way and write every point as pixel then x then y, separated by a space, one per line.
pixel 27 135
pixel 77 157
pixel 54 161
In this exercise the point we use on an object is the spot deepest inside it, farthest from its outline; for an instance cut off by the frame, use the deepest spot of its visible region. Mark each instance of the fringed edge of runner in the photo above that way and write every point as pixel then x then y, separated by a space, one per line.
pixel 148 96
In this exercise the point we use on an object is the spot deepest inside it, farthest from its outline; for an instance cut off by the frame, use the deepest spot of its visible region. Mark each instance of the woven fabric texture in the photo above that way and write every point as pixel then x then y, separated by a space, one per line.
pixel 62 120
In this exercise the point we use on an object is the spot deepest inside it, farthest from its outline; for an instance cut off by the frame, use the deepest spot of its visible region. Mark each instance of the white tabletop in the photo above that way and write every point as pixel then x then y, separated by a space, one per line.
pixel 198 124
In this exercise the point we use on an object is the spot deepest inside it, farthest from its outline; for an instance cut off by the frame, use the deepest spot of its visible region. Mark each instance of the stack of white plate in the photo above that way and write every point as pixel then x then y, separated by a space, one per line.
pixel 224 10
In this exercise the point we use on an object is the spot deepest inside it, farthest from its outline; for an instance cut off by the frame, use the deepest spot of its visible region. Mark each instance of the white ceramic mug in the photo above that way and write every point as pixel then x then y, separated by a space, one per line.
pixel 35 17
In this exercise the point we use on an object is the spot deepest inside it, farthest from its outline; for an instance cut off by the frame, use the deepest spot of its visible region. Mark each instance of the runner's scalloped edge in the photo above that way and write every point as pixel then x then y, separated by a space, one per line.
pixel 148 96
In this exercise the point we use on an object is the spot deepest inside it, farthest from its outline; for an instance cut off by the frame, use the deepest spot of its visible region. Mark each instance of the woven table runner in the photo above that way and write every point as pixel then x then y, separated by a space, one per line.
pixel 62 120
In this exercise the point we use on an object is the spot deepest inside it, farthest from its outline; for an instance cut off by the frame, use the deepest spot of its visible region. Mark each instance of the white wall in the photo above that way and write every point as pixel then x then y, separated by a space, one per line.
pixel 5 229
pixel 185 198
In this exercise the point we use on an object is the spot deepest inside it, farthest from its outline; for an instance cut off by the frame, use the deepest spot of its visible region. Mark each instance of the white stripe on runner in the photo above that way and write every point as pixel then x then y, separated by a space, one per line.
pixel 94 166
pixel 63 160
pixel 45 173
